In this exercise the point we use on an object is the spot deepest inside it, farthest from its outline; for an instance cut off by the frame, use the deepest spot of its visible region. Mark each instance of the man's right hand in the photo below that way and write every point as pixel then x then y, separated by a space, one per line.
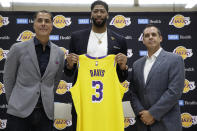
pixel 72 59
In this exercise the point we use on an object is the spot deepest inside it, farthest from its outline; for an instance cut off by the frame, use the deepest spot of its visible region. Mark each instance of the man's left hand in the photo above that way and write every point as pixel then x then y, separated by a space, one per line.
pixel 121 59
pixel 146 117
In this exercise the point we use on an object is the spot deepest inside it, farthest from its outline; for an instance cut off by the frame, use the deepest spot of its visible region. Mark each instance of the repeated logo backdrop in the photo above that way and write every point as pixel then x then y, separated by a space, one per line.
pixel 179 36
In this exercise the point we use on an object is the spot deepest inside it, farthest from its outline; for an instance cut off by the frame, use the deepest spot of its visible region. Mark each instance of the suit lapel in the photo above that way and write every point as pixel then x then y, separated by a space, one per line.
pixel 155 66
pixel 142 70
pixel 32 52
pixel 110 41
pixel 85 38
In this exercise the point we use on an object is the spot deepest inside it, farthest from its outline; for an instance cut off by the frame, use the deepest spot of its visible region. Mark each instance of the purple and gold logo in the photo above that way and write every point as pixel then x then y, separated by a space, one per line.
pixel 59 21
pixel 63 87
pixel 119 21
pixel 3 21
pixel 183 52
pixel 25 35
pixel 61 124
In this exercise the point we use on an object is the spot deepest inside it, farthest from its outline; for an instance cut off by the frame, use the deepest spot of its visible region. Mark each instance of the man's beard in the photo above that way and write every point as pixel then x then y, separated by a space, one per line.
pixel 99 24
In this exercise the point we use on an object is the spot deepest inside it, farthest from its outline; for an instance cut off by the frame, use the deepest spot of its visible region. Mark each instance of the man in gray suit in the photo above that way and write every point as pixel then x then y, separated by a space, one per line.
pixel 32 71
pixel 156 86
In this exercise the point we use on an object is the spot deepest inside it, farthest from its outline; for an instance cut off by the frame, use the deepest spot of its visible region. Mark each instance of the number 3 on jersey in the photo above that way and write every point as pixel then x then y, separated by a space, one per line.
pixel 99 91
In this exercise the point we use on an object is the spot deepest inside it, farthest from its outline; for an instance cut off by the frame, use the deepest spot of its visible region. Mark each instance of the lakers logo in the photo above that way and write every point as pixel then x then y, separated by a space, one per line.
pixel 62 124
pixel 119 21
pixel 125 84
pixel 3 54
pixel 187 120
pixel 2 90
pixel 3 21
pixel 25 35
pixel 63 87
pixel 180 21
pixel 59 21
pixel 188 86
pixel 183 52
pixel 128 121
pixel 65 51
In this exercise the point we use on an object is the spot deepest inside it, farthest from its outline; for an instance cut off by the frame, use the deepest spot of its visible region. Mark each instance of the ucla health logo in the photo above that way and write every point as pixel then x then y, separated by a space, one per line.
pixel 188 120
pixel 22 20
pixel 83 21
pixel 180 21
pixel 188 86
pixel 119 21
pixel 65 52
pixel 183 52
pixel 25 35
pixel 3 54
pixel 59 21
pixel 3 21
pixel 61 124
pixel 63 87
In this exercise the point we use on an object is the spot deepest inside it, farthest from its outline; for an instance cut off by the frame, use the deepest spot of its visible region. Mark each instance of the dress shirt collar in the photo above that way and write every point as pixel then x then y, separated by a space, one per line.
pixel 37 42
pixel 156 54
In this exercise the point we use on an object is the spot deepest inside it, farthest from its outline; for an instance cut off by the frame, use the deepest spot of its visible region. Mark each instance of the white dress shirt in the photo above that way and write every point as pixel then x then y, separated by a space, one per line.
pixel 149 63
pixel 96 49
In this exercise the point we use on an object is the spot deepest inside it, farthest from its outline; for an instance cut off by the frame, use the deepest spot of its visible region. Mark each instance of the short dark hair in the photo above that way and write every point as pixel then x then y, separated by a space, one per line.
pixel 43 11
pixel 99 2
pixel 151 25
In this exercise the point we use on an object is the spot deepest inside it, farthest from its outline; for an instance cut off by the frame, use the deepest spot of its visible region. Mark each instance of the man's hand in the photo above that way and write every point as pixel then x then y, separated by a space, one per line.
pixel 121 59
pixel 72 59
pixel 146 117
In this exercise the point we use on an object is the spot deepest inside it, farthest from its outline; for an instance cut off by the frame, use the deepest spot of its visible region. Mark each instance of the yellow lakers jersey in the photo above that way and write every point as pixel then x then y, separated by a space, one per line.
pixel 97 95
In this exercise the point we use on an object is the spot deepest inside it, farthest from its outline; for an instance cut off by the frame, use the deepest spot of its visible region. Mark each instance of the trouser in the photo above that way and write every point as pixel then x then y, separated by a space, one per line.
pixel 37 121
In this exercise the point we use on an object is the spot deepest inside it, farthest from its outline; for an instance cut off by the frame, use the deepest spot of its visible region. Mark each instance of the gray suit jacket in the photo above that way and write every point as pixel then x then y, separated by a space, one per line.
pixel 160 93
pixel 23 82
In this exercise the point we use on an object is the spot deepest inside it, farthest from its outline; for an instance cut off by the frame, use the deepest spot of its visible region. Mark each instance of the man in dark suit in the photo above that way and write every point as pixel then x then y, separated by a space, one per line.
pixel 97 41
pixel 32 71
pixel 156 86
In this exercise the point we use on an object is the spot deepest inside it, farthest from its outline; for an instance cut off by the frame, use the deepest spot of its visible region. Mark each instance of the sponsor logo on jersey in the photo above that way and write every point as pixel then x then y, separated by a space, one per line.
pixel 2 89
pixel 65 51
pixel 3 21
pixel 3 54
pixel 129 53
pixel 188 86
pixel 188 120
pixel 179 21
pixel 183 52
pixel 61 124
pixel 119 21
pixel 59 21
pixel 25 35
pixel 129 121
pixel 63 87
pixel 22 21
pixel 3 124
